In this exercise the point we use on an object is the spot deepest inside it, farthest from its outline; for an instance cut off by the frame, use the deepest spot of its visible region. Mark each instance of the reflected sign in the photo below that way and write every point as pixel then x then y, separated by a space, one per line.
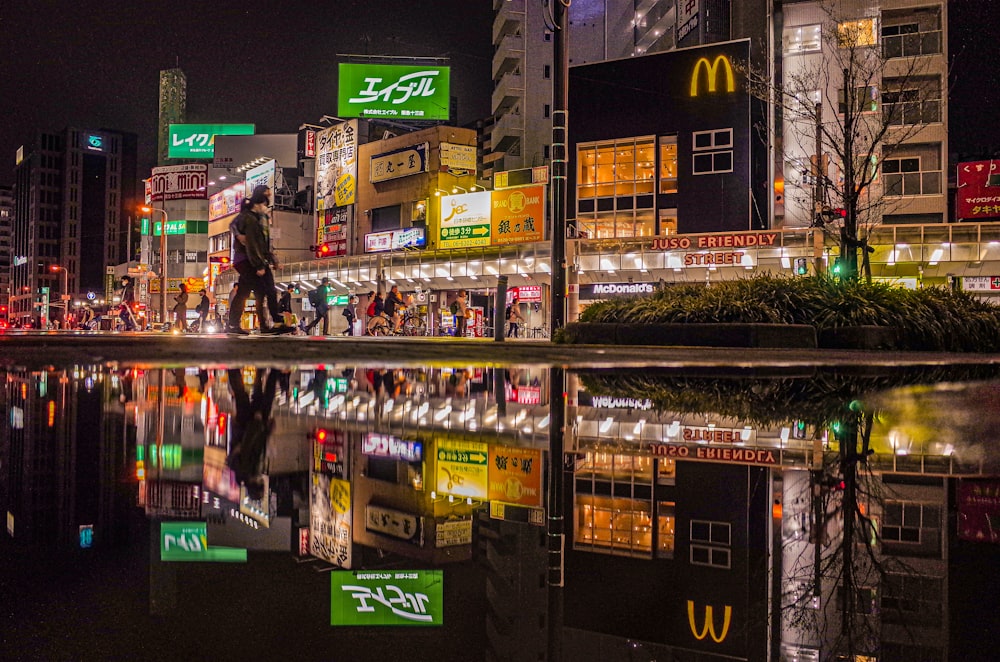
pixel 388 597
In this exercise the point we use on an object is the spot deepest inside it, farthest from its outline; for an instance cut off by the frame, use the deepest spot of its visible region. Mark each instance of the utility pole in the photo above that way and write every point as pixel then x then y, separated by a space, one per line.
pixel 819 193
pixel 560 97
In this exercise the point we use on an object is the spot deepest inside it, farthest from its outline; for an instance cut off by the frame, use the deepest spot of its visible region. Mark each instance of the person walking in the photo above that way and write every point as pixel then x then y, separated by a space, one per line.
pixel 180 308
pixel 514 318
pixel 319 298
pixel 350 315
pixel 203 308
pixel 128 304
pixel 462 310
pixel 253 261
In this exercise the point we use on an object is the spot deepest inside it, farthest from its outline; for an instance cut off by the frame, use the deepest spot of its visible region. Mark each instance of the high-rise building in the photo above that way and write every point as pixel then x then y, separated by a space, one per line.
pixel 72 198
pixel 173 105
pixel 6 253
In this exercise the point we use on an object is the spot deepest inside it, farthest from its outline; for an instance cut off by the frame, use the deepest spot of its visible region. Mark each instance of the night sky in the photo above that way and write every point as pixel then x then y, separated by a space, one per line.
pixel 95 64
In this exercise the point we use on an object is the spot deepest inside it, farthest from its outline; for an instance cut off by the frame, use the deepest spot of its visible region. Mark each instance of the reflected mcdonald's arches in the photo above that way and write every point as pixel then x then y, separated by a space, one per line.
pixel 713 74
pixel 709 627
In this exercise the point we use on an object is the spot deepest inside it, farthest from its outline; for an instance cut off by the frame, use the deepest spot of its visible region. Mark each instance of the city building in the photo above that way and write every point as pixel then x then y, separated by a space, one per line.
pixel 74 198
pixel 172 109
pixel 6 252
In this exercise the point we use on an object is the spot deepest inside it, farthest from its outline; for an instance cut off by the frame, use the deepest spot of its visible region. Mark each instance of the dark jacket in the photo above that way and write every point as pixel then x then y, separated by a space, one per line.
pixel 392 300
pixel 258 244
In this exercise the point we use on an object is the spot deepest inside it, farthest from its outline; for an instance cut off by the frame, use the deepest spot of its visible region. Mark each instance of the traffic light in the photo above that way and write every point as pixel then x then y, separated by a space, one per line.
pixel 801 266
pixel 321 250
pixel 830 214
pixel 799 430
pixel 837 267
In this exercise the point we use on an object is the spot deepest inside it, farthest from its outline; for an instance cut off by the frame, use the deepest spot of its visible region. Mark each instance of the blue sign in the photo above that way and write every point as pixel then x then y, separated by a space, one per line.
pixel 86 536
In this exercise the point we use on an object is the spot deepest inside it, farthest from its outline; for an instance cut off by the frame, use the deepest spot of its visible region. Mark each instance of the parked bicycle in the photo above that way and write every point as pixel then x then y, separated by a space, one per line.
pixel 411 325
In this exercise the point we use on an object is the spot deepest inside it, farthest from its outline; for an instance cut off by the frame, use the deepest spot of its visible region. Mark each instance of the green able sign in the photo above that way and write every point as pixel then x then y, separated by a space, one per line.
pixel 390 597
pixel 188 541
pixel 197 141
pixel 394 91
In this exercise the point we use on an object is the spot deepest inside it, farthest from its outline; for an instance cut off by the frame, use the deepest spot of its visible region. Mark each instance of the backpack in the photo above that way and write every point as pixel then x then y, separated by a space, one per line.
pixel 371 309
pixel 316 297
pixel 454 307
pixel 348 313
pixel 506 313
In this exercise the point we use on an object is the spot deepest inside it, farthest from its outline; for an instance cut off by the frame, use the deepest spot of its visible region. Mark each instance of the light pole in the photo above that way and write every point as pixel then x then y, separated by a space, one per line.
pixel 163 261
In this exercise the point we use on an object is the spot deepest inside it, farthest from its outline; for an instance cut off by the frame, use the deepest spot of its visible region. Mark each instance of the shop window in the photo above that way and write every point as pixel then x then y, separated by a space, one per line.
pixel 710 543
pixel 802 39
pixel 712 152
pixel 668 221
pixel 668 164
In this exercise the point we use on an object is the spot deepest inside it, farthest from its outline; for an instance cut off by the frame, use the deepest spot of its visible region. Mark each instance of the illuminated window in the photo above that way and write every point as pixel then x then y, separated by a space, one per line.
pixel 665 529
pixel 801 39
pixel 853 34
pixel 614 523
pixel 710 544
pixel 712 152
pixel 615 188
pixel 668 164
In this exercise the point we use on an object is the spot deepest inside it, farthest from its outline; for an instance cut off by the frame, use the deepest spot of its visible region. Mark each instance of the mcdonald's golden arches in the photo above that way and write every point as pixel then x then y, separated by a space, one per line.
pixel 709 626
pixel 712 68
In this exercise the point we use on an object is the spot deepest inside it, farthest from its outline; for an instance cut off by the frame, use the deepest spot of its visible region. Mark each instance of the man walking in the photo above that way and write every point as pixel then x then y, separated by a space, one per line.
pixel 319 300
pixel 460 314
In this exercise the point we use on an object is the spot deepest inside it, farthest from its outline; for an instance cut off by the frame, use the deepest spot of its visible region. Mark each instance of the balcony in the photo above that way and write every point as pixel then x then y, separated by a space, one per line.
pixel 509 90
pixel 509 18
pixel 507 132
pixel 508 56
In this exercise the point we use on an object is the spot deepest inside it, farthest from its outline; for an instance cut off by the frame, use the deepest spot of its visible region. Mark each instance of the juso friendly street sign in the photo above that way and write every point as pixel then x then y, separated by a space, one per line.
pixel 402 92
pixel 387 597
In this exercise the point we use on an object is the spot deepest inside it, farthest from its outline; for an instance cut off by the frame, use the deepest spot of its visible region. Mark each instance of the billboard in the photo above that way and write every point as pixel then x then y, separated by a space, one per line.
pixel 465 220
pixel 398 163
pixel 197 141
pixel 462 468
pixel 226 202
pixel 392 240
pixel 515 475
pixel 336 166
pixel 179 182
pixel 329 512
pixel 262 175
pixel 387 597
pixel 978 190
pixel 393 91
pixel 517 215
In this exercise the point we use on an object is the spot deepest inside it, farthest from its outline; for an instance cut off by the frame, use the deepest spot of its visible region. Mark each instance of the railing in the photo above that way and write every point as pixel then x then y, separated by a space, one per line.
pixel 911 44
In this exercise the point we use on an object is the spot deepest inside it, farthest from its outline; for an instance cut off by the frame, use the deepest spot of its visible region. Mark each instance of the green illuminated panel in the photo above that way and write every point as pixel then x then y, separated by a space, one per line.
pixel 197 141
pixel 387 597
pixel 392 91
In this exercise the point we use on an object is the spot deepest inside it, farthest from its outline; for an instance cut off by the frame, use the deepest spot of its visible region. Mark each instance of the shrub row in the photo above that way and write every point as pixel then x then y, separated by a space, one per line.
pixel 927 319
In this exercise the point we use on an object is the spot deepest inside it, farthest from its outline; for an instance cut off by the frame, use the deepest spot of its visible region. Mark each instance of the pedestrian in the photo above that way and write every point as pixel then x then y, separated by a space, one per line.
pixel 203 308
pixel 127 300
pixel 350 316
pixel 461 310
pixel 514 318
pixel 319 298
pixel 253 261
pixel 180 308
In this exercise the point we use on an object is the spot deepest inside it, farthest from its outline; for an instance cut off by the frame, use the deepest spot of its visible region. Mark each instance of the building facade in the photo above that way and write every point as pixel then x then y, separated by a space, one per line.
pixel 6 254
pixel 74 194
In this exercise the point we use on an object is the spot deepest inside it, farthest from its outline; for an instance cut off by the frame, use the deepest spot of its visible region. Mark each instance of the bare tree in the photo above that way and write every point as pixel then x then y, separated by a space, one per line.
pixel 840 113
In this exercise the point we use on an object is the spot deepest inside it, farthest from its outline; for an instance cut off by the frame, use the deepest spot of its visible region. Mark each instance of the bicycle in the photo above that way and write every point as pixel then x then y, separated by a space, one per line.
pixel 411 325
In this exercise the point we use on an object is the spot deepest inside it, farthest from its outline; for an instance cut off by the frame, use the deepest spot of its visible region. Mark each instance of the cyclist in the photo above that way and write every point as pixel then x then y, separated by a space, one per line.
pixel 394 304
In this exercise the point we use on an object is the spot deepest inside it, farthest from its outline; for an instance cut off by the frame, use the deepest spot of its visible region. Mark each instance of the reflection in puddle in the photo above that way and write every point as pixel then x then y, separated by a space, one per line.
pixel 518 513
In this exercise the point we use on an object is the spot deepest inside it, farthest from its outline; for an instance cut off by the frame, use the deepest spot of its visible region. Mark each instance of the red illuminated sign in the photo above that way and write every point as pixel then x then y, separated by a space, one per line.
pixel 978 190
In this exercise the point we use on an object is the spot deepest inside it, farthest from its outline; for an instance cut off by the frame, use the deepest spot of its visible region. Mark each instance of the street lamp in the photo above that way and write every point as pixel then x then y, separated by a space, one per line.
pixel 456 189
pixel 163 261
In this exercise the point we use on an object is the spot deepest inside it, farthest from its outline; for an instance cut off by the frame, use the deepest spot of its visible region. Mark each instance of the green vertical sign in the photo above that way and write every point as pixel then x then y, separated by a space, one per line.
pixel 389 597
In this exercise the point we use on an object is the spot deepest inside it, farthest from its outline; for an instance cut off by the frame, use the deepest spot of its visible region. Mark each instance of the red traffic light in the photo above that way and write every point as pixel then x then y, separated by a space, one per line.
pixel 321 435
pixel 322 250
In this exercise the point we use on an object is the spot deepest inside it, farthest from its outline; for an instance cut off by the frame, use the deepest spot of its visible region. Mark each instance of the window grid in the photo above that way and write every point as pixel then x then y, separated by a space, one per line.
pixel 709 154
pixel 709 543
pixel 906 522
pixel 903 176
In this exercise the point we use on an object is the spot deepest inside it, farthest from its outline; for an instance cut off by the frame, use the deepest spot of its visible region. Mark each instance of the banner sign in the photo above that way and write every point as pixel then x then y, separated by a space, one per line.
pixel 612 290
pixel 384 445
pixel 329 515
pixel 188 541
pixel 517 215
pixel 521 177
pixel 387 597
pixel 978 510
pixel 515 475
pixel 180 182
pixel 226 202
pixel 197 141
pixel 978 190
pixel 336 165
pixel 404 92
pixel 399 163
pixel 465 220
pixel 525 293
pixel 453 533
pixel 393 523
pixel 376 242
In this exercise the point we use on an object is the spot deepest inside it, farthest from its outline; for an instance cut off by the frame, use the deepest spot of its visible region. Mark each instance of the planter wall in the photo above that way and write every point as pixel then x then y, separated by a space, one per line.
pixel 798 336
